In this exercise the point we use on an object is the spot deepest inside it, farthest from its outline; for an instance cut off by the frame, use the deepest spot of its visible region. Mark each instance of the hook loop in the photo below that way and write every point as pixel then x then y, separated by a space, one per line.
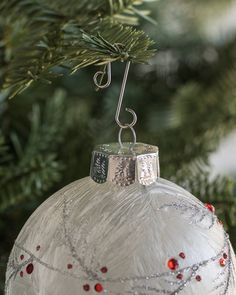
pixel 102 74
pixel 120 133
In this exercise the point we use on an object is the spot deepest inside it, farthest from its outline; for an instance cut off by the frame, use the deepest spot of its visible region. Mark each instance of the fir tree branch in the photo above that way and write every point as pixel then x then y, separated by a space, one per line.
pixel 122 10
pixel 37 168
pixel 4 152
pixel 218 190
pixel 45 38
pixel 29 181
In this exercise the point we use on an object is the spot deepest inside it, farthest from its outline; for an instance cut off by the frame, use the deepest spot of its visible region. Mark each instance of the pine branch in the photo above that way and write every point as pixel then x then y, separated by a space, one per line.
pixel 29 181
pixel 124 10
pixel 4 152
pixel 220 190
pixel 43 38
pixel 197 115
pixel 37 168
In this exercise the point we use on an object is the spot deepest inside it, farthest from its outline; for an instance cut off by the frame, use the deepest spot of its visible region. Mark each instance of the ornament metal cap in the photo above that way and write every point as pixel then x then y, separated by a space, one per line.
pixel 125 165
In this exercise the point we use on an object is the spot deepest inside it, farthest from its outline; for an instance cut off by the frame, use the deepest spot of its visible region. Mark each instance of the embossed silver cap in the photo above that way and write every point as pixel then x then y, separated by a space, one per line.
pixel 125 165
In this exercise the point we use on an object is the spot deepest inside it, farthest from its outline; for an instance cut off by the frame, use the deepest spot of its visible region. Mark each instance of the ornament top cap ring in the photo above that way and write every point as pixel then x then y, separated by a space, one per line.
pixel 126 164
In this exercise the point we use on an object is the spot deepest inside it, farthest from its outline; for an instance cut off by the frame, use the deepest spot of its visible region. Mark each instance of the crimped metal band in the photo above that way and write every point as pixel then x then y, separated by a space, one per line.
pixel 125 165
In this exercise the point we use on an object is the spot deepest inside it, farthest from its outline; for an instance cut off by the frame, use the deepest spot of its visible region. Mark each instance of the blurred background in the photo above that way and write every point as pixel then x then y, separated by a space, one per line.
pixel 185 100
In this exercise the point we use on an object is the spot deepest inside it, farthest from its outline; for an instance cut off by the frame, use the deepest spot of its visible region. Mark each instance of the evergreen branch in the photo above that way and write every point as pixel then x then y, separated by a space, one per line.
pixel 38 37
pixel 38 168
pixel 4 152
pixel 36 56
pixel 117 9
pixel 47 131
pixel 29 181
pixel 144 15
pixel 98 7
pixel 197 116
pixel 220 190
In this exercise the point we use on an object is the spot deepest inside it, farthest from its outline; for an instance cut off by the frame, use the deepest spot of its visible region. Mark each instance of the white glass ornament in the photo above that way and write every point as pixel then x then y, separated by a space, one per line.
pixel 91 238
pixel 122 231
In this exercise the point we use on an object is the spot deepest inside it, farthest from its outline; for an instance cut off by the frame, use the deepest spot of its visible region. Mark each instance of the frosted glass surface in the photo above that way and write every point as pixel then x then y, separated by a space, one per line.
pixel 91 238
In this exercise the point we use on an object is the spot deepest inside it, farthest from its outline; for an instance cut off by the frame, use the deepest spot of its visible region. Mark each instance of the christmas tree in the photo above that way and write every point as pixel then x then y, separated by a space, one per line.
pixel 50 119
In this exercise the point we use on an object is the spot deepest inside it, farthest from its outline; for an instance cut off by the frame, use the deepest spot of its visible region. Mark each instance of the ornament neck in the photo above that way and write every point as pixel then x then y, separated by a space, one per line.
pixel 126 164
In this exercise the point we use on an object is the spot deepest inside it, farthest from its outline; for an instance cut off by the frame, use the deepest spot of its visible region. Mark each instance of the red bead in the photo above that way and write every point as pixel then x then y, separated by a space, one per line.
pixel 198 278
pixel 38 248
pixel 86 287
pixel 179 276
pixel 173 264
pixel 98 288
pixel 22 257
pixel 182 255
pixel 225 256
pixel 210 207
pixel 21 274
pixel 222 262
pixel 29 268
pixel 69 266
pixel 104 269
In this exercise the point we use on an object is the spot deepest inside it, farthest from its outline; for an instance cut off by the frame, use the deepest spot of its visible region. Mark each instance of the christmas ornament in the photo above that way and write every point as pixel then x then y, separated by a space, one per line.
pixel 123 230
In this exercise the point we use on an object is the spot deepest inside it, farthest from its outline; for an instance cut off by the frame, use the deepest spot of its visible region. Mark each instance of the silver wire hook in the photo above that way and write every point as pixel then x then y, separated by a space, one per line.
pixel 133 133
pixel 102 73
pixel 107 69
pixel 122 91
